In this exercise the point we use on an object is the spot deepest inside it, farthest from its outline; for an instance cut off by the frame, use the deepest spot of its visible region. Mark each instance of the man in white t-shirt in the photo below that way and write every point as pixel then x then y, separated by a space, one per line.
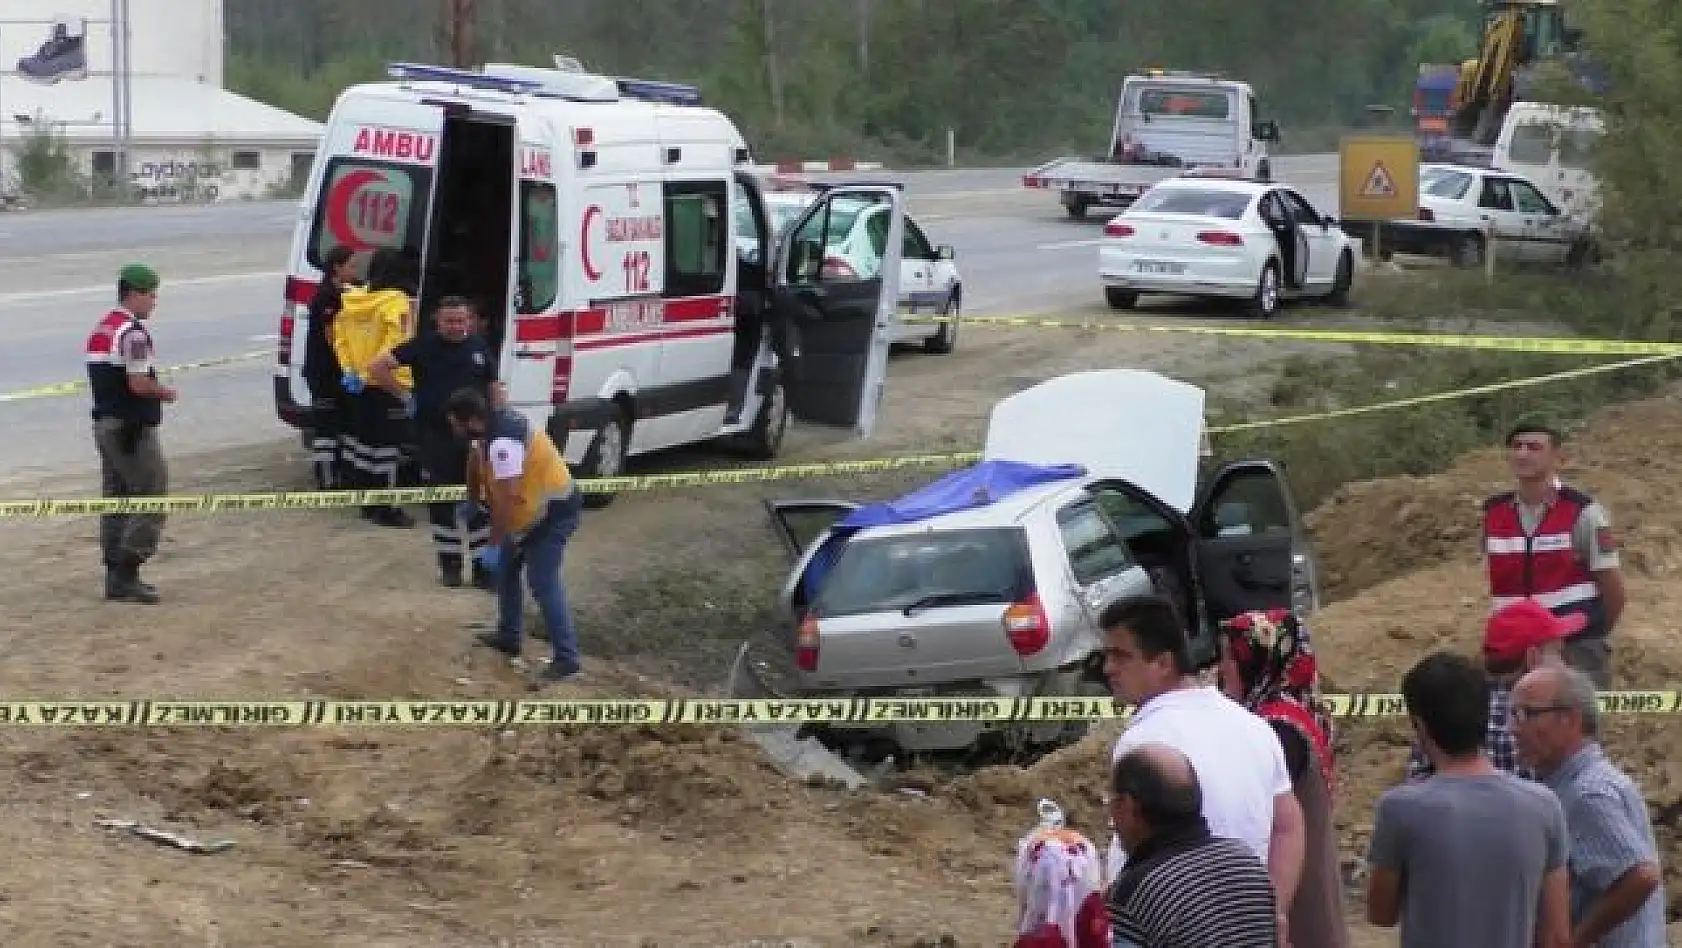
pixel 1247 793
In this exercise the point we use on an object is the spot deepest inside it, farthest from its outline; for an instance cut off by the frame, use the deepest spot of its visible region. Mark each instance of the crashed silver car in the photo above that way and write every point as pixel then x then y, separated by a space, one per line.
pixel 990 581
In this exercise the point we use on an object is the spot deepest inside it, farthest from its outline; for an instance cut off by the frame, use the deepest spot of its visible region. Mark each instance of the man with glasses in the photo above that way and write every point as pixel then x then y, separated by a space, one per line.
pixel 128 405
pixel 1617 888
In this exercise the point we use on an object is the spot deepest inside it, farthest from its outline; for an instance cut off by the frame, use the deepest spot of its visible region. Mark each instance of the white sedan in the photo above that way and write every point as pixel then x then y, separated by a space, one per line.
pixel 1466 211
pixel 929 282
pixel 1227 238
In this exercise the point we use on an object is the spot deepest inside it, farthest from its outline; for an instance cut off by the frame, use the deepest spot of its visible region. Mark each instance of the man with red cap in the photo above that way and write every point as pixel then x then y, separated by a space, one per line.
pixel 1517 639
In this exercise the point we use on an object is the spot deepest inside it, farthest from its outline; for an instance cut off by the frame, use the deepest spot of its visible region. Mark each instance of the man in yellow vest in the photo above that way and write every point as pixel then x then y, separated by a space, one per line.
pixel 535 508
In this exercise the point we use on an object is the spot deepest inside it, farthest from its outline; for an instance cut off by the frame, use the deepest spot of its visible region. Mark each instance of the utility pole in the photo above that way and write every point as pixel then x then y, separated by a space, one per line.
pixel 773 75
pixel 457 21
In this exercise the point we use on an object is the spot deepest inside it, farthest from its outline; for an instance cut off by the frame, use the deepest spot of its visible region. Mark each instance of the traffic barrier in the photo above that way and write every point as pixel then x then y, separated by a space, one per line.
pixel 1550 345
pixel 326 500
pixel 622 712
pixel 71 388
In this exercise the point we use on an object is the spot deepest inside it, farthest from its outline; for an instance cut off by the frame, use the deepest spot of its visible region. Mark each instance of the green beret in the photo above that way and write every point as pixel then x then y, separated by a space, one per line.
pixel 139 276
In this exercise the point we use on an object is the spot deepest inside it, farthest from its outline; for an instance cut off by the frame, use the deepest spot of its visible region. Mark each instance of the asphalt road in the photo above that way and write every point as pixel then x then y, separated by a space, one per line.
pixel 222 296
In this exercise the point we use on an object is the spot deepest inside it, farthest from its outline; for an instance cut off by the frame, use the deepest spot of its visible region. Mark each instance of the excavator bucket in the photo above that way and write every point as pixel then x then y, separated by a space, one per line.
pixel 800 758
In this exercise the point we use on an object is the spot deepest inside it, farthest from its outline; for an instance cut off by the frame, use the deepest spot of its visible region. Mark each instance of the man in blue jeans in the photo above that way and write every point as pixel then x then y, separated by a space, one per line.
pixel 534 507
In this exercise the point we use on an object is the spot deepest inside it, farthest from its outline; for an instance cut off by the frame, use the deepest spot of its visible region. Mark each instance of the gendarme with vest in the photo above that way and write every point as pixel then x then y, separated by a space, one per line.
pixel 1542 564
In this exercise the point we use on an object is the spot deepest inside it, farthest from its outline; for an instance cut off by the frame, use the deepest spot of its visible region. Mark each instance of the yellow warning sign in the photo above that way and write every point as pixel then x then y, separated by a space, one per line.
pixel 1378 178
pixel 1379 183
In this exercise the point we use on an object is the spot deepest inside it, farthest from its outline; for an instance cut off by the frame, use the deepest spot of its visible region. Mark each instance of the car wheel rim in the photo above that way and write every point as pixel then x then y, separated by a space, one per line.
pixel 1270 291
pixel 949 331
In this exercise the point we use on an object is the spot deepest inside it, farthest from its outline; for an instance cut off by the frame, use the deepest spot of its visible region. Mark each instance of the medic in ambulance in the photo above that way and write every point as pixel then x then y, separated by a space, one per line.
pixel 589 218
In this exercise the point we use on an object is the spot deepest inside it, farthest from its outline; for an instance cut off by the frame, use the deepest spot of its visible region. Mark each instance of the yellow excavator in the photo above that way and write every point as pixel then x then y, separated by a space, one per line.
pixel 1518 36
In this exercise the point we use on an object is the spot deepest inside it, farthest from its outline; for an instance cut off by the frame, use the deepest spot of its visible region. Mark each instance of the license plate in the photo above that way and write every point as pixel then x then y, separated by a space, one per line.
pixel 1159 266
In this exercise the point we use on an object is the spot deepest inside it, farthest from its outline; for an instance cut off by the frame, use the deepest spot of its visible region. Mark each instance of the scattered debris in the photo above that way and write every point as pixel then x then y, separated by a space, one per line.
pixel 166 838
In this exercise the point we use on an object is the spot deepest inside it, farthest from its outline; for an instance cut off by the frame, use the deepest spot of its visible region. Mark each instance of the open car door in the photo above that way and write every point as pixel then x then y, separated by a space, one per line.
pixel 838 323
pixel 799 523
pixel 1252 550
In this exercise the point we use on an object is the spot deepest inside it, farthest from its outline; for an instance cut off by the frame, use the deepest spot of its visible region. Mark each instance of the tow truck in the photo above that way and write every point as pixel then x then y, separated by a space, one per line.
pixel 1167 121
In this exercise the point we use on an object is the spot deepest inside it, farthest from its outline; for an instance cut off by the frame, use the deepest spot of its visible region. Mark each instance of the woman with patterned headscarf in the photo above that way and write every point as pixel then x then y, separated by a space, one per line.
pixel 1268 665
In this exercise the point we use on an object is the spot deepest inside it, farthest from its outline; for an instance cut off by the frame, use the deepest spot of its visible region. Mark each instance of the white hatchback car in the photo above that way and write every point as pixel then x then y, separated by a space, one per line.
pixel 1226 238
pixel 1466 211
pixel 929 283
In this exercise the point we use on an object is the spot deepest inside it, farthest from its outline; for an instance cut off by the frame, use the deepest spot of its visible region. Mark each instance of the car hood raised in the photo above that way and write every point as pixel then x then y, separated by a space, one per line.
pixel 1129 424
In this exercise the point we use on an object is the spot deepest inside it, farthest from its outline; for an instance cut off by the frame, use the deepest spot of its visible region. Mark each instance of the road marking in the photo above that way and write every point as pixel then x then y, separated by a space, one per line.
pixel 108 288
pixel 1071 244
pixel 268 337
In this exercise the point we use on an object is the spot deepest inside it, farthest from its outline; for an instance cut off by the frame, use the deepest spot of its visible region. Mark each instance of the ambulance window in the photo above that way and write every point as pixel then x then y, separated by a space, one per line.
pixel 370 205
pixel 697 237
pixel 539 275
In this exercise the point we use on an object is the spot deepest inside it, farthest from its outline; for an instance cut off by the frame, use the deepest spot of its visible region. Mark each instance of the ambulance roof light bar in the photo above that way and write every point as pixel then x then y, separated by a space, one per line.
pixel 653 90
pixel 415 72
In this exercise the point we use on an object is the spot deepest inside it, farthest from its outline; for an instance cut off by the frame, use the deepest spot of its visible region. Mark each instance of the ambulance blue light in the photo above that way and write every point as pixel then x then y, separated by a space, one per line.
pixel 415 72
pixel 650 90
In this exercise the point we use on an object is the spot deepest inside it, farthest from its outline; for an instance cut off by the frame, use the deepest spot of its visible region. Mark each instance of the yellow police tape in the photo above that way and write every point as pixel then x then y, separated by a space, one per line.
pixel 854 712
pixel 323 500
pixel 71 388
pixel 1545 344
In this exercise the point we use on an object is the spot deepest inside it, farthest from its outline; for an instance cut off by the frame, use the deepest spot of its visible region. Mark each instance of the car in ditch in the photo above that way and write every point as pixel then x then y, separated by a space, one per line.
pixel 989 582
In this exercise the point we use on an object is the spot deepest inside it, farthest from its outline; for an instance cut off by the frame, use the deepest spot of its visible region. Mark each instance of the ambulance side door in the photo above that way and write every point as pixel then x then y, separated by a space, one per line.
pixel 839 325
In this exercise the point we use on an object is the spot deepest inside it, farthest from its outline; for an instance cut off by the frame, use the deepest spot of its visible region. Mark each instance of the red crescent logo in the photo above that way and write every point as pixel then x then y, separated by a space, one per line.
pixel 338 205
pixel 590 271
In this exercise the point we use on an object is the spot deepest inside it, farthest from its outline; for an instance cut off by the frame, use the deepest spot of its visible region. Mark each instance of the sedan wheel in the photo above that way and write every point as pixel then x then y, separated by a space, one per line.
pixel 1265 304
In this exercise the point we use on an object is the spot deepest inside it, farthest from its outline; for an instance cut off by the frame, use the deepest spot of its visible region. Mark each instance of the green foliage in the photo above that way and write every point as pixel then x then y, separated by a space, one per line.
pixel 886 78
pixel 46 171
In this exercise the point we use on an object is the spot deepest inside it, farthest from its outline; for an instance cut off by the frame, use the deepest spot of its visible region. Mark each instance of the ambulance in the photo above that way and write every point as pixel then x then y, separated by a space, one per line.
pixel 591 220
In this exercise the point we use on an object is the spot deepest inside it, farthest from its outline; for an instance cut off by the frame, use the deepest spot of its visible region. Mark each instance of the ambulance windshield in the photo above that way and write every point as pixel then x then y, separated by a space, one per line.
pixel 370 205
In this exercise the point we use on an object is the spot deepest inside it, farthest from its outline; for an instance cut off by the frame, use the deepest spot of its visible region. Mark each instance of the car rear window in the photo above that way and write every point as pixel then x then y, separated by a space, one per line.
pixel 1448 184
pixel 882 574
pixel 1195 201
pixel 370 205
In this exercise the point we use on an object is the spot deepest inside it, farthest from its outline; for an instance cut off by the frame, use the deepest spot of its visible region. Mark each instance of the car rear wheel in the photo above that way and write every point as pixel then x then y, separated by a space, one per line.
pixel 1265 304
pixel 765 438
pixel 1467 250
pixel 945 338
pixel 1343 282
pixel 1119 298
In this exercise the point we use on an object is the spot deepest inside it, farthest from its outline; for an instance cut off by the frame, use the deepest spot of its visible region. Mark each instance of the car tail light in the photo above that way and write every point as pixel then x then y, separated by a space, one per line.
pixel 1029 181
pixel 1426 215
pixel 834 268
pixel 1027 626
pixel 806 644
pixel 283 346
pixel 1118 230
pixel 1220 238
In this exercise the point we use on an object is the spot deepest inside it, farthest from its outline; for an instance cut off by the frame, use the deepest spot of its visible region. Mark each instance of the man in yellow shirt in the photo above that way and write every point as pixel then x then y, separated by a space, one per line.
pixel 370 322
pixel 535 507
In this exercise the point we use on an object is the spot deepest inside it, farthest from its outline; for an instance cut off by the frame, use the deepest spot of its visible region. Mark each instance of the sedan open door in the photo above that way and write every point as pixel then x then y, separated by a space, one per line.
pixel 839 325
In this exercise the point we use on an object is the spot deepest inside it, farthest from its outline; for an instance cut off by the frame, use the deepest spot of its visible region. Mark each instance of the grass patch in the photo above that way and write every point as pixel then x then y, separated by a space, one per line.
pixel 1325 455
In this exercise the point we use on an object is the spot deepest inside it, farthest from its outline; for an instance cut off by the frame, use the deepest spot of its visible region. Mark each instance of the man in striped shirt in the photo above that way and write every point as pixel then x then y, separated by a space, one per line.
pixel 1617 888
pixel 1182 887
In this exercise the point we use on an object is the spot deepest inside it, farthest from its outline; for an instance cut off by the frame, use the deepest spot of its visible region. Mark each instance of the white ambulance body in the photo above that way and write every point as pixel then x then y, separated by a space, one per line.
pixel 590 219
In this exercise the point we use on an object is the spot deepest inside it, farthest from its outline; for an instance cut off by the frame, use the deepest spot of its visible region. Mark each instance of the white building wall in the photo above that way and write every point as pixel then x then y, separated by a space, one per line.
pixel 225 171
pixel 179 38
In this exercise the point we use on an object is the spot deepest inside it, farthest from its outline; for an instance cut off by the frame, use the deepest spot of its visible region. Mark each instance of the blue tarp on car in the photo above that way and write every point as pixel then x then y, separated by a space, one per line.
pixel 985 483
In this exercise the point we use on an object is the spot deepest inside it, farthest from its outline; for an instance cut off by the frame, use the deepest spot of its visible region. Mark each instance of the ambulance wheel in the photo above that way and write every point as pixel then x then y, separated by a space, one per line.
pixel 606 457
pixel 765 438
